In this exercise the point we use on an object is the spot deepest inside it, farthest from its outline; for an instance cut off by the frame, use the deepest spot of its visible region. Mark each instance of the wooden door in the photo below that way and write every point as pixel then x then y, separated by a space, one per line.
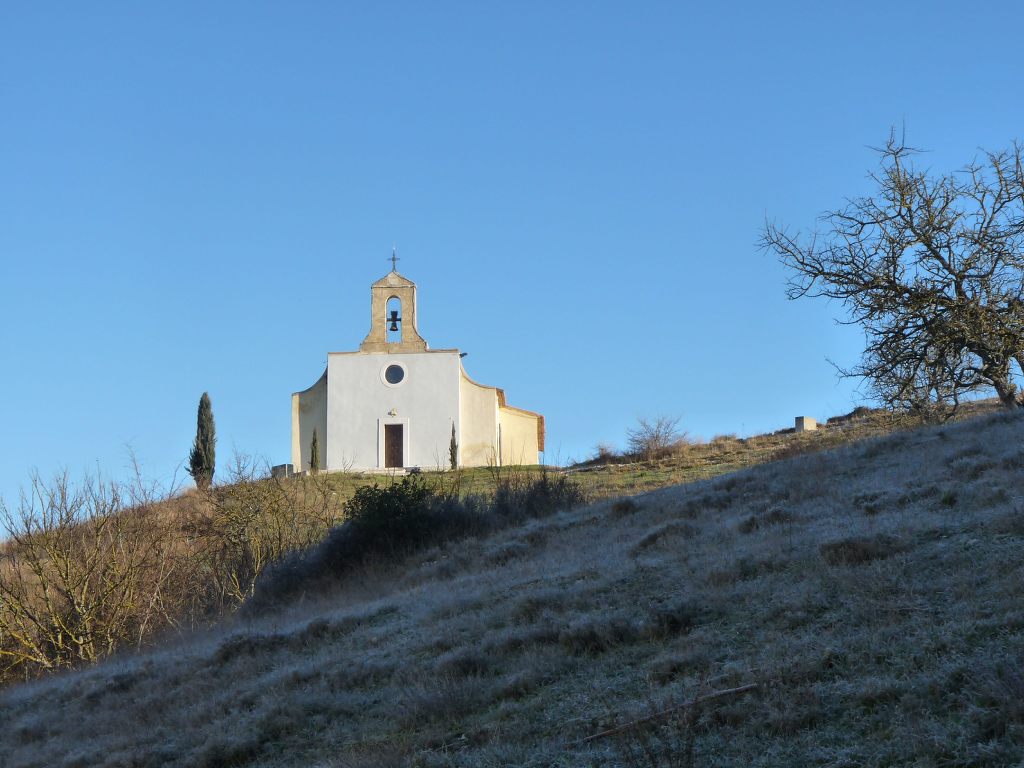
pixel 393 440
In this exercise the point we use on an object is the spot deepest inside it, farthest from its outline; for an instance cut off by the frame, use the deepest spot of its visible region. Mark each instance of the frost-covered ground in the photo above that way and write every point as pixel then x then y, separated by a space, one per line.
pixel 873 592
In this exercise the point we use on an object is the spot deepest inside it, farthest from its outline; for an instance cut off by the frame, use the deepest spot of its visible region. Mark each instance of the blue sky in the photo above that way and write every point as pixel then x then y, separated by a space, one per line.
pixel 196 196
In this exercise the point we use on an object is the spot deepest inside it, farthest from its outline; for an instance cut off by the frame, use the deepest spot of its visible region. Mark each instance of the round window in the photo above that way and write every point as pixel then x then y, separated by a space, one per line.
pixel 394 374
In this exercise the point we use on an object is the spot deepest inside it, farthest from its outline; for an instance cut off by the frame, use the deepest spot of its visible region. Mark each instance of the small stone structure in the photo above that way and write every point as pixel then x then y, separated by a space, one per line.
pixel 805 424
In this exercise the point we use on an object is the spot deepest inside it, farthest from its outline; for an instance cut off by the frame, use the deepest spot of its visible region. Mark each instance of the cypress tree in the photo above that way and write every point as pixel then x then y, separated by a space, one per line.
pixel 202 459
pixel 453 450
pixel 314 454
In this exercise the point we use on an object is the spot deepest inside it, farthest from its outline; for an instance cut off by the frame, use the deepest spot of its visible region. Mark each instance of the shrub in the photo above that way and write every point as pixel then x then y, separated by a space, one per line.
pixel 860 549
pixel 592 635
pixel 442 699
pixel 390 519
pixel 389 523
pixel 672 665
pixel 382 523
pixel 745 569
pixel 624 506
pixel 466 663
pixel 672 620
pixel 655 536
pixel 605 453
pixel 519 498
pixel 798 445
pixel 773 516
pixel 506 551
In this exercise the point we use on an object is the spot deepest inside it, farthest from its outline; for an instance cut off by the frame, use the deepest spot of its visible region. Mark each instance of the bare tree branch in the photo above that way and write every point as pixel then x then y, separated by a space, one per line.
pixel 932 268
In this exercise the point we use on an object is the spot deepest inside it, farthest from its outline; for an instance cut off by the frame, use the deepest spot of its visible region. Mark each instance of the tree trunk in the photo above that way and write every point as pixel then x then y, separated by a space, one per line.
pixel 1007 394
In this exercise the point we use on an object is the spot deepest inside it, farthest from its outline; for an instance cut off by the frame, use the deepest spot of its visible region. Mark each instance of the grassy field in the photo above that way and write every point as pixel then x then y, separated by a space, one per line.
pixel 862 605
pixel 688 461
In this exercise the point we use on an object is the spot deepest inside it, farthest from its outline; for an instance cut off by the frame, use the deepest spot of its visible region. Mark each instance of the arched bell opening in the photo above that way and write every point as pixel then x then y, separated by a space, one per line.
pixel 393 320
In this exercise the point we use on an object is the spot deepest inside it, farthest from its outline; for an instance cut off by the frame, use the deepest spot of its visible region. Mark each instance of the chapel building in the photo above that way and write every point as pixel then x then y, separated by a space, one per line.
pixel 394 403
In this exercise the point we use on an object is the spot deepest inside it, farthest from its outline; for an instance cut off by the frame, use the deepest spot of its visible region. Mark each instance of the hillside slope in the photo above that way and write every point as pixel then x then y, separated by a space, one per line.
pixel 873 593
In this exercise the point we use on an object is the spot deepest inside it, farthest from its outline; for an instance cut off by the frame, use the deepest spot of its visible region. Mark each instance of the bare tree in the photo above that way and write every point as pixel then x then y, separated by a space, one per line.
pixel 252 521
pixel 652 437
pixel 84 570
pixel 932 267
pixel 91 567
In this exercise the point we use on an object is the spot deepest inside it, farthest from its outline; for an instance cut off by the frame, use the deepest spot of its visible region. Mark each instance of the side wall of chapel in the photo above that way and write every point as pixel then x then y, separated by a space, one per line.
pixel 478 418
pixel 520 436
pixel 309 412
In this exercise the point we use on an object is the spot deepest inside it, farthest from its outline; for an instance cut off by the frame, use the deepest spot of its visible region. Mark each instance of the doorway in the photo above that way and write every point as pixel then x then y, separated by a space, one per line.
pixel 394 439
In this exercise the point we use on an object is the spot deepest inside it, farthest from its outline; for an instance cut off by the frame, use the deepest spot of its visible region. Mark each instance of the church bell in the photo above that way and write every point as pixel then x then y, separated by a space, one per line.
pixel 394 320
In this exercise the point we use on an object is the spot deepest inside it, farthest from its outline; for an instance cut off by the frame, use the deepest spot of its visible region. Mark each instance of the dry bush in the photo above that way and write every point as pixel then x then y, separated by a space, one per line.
pixel 534 605
pixel 674 529
pixel 542 632
pixel 465 662
pixel 520 496
pixel 675 619
pixel 94 567
pixel 529 672
pixel 798 445
pixel 85 569
pixel 745 569
pixel 857 550
pixel 361 673
pixel 592 635
pixel 506 551
pixel 240 528
pixel 773 516
pixel 442 698
pixel 605 453
pixel 625 506
pixel 872 503
pixel 679 664
pixel 654 437
pixel 861 412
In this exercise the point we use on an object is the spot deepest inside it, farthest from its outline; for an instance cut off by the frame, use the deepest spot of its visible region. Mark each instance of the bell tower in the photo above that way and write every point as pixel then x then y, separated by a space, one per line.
pixel 393 315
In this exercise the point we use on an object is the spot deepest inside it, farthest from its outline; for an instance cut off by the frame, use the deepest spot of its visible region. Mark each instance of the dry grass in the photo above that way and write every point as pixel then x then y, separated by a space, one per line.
pixel 874 591
pixel 609 475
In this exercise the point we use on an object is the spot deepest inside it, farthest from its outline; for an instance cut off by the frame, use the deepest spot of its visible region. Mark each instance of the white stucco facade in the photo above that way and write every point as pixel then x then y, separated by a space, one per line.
pixel 394 402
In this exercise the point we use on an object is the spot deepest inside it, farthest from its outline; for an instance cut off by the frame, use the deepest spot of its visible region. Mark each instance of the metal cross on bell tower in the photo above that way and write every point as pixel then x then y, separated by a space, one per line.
pixel 394 259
